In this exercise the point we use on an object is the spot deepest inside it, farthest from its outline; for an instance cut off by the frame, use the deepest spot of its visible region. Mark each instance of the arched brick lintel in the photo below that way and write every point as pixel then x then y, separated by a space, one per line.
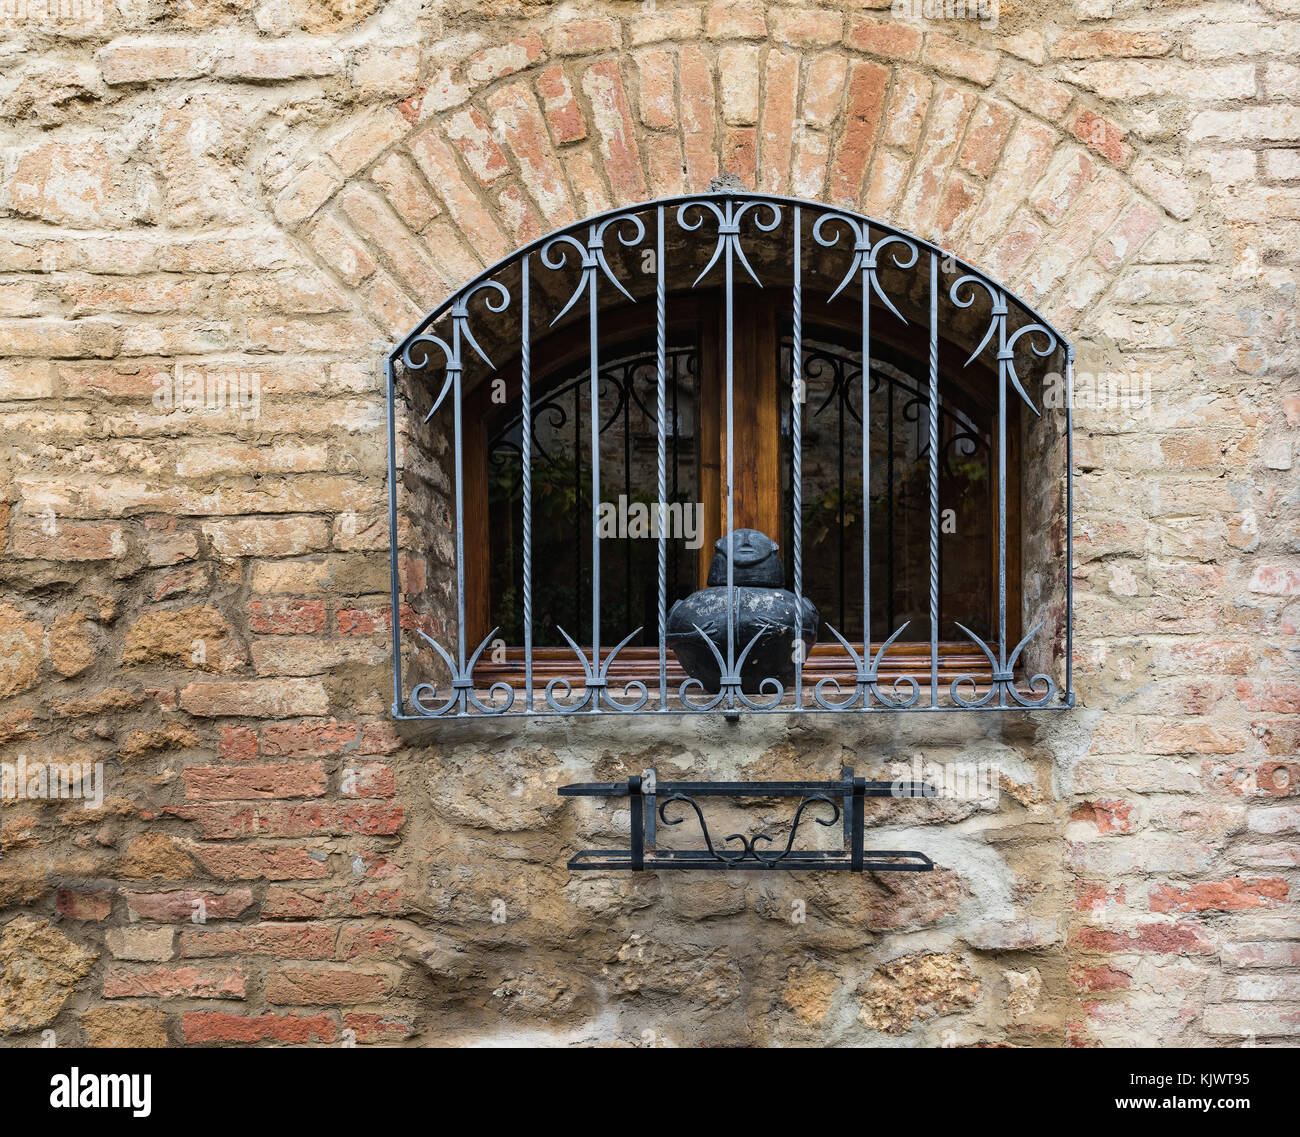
pixel 406 203
pixel 578 231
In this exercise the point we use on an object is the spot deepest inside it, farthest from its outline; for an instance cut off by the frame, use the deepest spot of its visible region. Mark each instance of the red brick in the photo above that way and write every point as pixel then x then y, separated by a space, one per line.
pixel 309 740
pixel 1232 895
pixel 806 26
pixel 955 207
pixel 378 738
pixel 75 905
pixel 1108 43
pixel 178 905
pixel 519 122
pixel 363 621
pixel 284 902
pixel 1275 580
pixel 780 96
pixel 615 130
pixel 364 941
pixel 318 986
pixel 472 136
pixel 1103 977
pixel 255 698
pixel 1101 135
pixel 238 744
pixel 1160 939
pixel 217 1026
pixel 288 941
pixel 740 154
pixel 438 163
pixel 1189 738
pixel 657 76
pixel 368 779
pixel 249 783
pixel 376 1027
pixel 257 862
pixel 862 113
pixel 733 20
pixel 286 617
pixel 70 541
pixel 1108 816
pixel 698 108
pixel 885 38
pixel 988 130
pixel 175 982
pixel 308 819
pixel 1275 779
pixel 560 106
pixel 585 36
pixel 956 58
pixel 1090 896
pixel 1128 235
pixel 502 59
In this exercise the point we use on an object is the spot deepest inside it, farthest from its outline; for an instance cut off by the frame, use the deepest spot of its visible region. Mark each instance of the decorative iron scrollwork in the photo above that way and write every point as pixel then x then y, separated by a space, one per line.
pixel 650 800
pixel 449 339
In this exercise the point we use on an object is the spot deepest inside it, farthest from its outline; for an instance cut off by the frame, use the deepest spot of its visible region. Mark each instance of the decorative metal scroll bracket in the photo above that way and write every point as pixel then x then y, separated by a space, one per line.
pixel 843 801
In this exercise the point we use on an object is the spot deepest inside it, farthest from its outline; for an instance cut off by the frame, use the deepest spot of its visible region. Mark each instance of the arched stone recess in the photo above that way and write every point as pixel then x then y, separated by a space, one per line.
pixel 968 147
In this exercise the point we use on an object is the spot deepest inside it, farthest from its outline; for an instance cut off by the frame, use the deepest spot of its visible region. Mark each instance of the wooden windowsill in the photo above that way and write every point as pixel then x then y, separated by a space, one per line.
pixel 824 661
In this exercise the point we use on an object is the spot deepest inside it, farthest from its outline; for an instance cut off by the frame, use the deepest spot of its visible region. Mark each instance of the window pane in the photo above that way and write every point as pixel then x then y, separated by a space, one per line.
pixel 899 484
pixel 561 491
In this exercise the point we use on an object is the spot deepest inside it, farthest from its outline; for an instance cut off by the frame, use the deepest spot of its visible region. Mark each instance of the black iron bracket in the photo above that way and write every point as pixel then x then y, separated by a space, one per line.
pixel 843 801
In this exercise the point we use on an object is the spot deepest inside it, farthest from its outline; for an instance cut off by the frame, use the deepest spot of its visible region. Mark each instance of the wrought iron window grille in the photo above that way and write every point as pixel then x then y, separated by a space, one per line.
pixel 888 271
pixel 651 802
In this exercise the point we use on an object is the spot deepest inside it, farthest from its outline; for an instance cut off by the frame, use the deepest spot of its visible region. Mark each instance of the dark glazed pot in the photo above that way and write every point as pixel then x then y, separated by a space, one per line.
pixel 763 608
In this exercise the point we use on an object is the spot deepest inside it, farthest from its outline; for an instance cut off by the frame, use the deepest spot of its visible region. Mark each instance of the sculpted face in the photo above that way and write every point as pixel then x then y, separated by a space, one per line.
pixel 757 563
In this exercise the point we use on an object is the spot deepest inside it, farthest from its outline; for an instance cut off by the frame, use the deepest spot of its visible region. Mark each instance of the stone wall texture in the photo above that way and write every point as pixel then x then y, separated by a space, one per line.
pixel 196 596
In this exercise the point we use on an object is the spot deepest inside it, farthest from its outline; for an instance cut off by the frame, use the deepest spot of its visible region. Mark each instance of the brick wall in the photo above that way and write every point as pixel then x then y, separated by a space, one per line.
pixel 196 595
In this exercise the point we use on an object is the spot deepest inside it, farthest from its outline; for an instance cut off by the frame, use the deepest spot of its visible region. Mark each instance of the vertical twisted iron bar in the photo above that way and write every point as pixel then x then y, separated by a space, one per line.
pixel 594 352
pixel 526 395
pixel 661 437
pixel 731 474
pixel 796 443
pixel 866 461
pixel 1004 356
pixel 459 460
pixel 934 479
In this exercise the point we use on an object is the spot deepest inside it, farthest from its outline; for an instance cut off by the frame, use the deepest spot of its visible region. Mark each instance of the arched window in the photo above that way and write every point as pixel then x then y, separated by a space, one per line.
pixel 920 510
